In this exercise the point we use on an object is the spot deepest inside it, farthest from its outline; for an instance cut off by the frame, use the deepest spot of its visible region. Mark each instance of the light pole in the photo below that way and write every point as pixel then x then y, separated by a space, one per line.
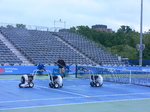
pixel 141 46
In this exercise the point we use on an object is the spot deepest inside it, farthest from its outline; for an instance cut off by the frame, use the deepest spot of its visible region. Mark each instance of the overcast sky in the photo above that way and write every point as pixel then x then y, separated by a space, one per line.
pixel 112 13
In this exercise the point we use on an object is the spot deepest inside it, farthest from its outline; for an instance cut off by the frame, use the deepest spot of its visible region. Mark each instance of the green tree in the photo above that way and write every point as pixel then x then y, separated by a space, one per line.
pixel 72 29
pixel 146 41
pixel 9 26
pixel 20 26
pixel 123 42
pixel 125 51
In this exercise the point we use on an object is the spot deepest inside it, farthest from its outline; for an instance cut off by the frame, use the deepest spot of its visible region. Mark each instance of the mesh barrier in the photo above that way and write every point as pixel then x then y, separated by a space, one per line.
pixel 115 75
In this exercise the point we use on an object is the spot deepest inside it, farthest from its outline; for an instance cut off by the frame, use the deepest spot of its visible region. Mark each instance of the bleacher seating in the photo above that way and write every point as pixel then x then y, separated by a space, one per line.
pixel 43 46
pixel 89 48
pixel 7 57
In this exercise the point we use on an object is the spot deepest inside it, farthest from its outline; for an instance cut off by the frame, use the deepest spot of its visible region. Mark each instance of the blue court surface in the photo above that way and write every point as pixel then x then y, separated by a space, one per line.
pixel 74 92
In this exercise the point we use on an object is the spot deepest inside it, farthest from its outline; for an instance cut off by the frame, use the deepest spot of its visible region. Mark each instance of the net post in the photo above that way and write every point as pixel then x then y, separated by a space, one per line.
pixel 76 71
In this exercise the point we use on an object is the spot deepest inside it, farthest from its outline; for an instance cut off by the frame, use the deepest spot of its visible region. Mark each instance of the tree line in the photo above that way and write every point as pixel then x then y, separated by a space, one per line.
pixel 122 42
pixel 17 26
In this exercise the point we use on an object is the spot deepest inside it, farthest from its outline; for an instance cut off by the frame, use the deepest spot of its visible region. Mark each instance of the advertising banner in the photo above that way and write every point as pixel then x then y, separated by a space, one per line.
pixel 29 69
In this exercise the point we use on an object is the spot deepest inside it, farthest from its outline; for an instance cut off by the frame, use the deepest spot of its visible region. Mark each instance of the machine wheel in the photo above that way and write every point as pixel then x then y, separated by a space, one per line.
pixel 31 84
pixel 20 85
pixel 97 84
pixel 51 85
pixel 61 85
pixel 101 85
pixel 56 85
pixel 92 83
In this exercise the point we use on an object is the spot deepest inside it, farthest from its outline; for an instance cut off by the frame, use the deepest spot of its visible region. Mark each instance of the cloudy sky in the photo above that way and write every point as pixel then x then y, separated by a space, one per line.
pixel 112 13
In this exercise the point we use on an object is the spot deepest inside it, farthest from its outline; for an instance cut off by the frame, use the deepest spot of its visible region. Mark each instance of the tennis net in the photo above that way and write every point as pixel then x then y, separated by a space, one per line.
pixel 115 75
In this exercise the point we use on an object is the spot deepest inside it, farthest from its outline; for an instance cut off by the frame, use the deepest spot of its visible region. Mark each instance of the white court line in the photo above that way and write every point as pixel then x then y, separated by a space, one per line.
pixel 40 99
pixel 75 103
pixel 100 87
pixel 63 91
pixel 74 97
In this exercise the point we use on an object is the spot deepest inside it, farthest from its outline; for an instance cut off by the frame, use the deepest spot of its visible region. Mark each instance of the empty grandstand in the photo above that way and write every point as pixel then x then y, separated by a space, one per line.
pixel 6 56
pixel 45 46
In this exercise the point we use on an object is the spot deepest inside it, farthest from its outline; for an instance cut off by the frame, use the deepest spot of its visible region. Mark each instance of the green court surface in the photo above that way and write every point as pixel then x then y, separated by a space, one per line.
pixel 108 106
pixel 18 77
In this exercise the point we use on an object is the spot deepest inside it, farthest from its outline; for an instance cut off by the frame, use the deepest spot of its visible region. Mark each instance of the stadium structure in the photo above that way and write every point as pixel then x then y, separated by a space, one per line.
pixel 27 47
pixel 23 48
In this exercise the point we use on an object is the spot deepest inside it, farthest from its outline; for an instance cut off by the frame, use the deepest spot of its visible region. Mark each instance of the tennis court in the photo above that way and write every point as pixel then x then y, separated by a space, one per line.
pixel 75 96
